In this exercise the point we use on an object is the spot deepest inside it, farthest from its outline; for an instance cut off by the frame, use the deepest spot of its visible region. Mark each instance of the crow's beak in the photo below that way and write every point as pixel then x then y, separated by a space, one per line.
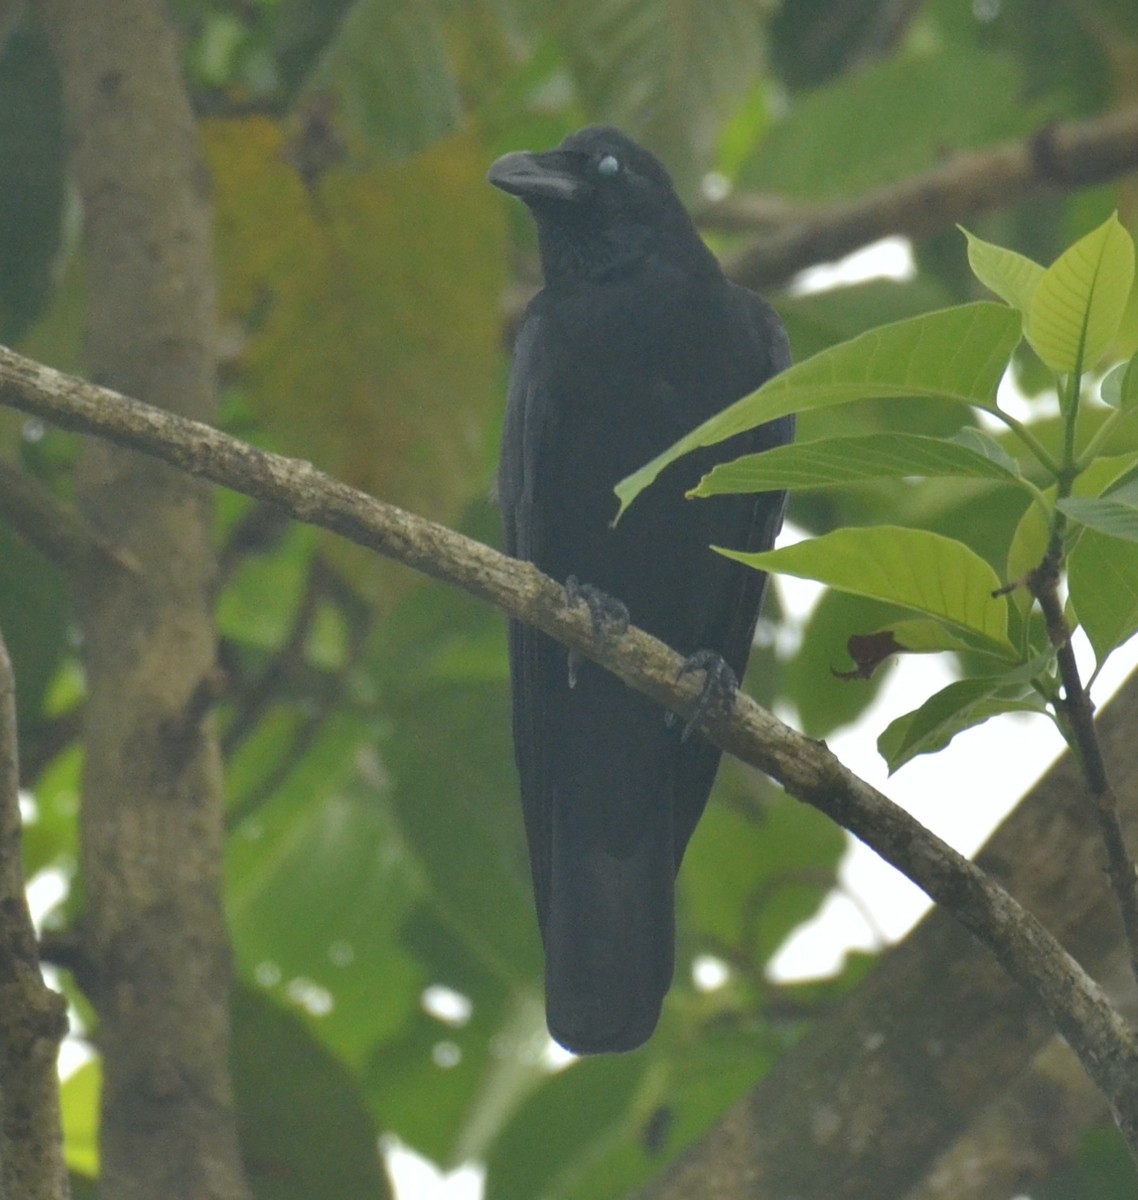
pixel 536 176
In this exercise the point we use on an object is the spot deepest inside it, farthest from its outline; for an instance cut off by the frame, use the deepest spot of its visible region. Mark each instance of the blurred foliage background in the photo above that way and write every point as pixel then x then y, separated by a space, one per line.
pixel 377 889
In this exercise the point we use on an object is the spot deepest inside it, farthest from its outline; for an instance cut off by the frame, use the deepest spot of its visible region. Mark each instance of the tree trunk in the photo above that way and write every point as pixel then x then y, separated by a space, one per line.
pixel 152 929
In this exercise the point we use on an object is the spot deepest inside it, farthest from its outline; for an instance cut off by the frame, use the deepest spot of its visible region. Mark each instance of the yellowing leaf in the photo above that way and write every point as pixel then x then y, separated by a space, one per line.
pixel 370 309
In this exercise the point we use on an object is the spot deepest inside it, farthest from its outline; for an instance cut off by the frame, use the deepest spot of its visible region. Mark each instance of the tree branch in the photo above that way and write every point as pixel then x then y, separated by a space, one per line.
pixel 34 1017
pixel 807 769
pixel 55 529
pixel 1022 1140
pixel 1068 155
pixel 891 1078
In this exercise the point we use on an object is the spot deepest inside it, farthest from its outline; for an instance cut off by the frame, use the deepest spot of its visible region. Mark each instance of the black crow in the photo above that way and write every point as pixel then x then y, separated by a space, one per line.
pixel 635 339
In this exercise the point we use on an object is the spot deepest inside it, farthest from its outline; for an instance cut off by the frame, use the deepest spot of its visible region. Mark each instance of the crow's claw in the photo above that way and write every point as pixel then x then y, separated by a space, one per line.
pixel 606 612
pixel 719 687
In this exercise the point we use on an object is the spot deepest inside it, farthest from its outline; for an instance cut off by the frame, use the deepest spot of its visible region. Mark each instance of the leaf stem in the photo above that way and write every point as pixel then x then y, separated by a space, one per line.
pixel 1028 438
pixel 1070 424
pixel 1076 712
pixel 1108 427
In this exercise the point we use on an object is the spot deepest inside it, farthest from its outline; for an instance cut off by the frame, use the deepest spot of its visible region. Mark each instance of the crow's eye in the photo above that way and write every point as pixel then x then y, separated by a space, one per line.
pixel 609 165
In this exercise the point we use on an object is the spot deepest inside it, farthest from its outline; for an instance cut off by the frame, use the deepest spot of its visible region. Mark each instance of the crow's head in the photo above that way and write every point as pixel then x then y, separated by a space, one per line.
pixel 602 204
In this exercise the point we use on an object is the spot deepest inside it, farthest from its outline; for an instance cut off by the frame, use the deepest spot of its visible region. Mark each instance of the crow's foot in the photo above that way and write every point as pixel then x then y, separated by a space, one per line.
pixel 719 687
pixel 607 614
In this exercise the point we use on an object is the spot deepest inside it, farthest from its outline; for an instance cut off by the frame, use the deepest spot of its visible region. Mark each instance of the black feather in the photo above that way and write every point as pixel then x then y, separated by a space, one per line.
pixel 635 339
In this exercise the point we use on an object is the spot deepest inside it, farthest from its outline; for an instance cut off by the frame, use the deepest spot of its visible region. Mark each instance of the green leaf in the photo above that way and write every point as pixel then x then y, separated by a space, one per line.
pixel 1104 473
pixel 447 1087
pixel 51 837
pixel 782 855
pixel 1026 550
pixel 886 120
pixel 925 571
pixel 817 321
pixel 1102 1170
pixel 1078 304
pixel 850 459
pixel 34 618
pixel 579 1115
pixel 263 594
pixel 1125 493
pixel 1120 384
pixel 436 1102
pixel 457 813
pixel 32 182
pixel 810 681
pixel 599 1130
pixel 957 354
pixel 1010 275
pixel 1118 518
pixel 981 443
pixel 1102 576
pixel 959 706
pixel 667 78
pixel 506 1081
pixel 316 889
pixel 305 1129
pixel 389 71
pixel 923 636
pixel 79 1113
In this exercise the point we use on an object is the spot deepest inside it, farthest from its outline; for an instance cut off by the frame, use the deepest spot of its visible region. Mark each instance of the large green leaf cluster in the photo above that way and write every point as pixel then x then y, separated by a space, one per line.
pixel 1070 314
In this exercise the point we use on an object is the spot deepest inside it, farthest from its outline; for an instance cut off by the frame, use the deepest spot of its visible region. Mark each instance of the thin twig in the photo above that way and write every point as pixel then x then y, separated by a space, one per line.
pixel 287 663
pixel 302 738
pixel 807 769
pixel 1078 712
pixel 51 526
